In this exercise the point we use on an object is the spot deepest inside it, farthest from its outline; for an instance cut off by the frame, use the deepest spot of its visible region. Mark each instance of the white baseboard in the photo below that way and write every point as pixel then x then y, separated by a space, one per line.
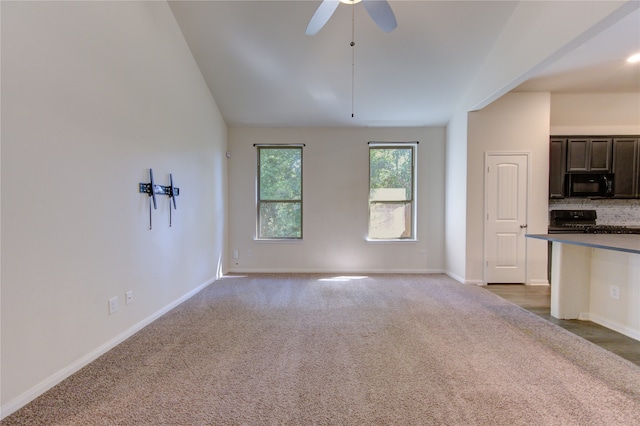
pixel 613 325
pixel 455 277
pixel 28 396
pixel 462 280
pixel 338 271
pixel 482 283
pixel 538 282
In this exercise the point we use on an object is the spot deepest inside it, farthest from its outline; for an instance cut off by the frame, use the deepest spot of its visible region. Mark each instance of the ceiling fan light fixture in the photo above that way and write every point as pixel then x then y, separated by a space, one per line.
pixel 378 10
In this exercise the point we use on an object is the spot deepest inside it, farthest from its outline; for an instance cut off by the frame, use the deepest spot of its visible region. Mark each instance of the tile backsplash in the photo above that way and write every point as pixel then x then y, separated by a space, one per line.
pixel 609 211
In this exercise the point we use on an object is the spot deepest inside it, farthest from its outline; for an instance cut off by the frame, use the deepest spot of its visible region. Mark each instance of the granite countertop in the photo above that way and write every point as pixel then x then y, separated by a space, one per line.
pixel 629 243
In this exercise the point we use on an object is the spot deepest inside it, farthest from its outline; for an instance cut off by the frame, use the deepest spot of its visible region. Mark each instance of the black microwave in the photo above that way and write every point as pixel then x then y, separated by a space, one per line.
pixel 591 185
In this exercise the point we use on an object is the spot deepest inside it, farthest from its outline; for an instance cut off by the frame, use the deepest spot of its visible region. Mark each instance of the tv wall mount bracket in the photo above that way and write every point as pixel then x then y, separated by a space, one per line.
pixel 151 189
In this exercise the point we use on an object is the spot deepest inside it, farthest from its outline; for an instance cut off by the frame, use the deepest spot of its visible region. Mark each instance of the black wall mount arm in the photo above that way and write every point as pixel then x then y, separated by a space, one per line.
pixel 173 191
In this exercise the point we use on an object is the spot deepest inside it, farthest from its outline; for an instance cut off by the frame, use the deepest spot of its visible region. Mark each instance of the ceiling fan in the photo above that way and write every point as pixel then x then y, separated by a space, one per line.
pixel 379 11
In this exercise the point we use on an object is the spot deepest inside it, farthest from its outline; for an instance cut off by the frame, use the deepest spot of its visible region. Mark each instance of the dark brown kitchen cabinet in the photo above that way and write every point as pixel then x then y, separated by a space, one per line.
pixel 557 167
pixel 589 155
pixel 626 159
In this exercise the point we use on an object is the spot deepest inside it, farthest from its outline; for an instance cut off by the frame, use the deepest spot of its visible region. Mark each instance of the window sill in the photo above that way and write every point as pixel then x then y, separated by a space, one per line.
pixel 278 240
pixel 392 241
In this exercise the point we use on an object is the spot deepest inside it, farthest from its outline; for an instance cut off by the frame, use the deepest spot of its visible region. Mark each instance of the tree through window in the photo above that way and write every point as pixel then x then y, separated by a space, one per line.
pixel 280 192
pixel 391 191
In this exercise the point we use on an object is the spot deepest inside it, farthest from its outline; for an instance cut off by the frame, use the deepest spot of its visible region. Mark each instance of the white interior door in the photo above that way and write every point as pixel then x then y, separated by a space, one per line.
pixel 506 187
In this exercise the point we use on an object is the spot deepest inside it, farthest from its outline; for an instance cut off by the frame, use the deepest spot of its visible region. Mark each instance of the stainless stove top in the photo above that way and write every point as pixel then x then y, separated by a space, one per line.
pixel 611 229
pixel 583 222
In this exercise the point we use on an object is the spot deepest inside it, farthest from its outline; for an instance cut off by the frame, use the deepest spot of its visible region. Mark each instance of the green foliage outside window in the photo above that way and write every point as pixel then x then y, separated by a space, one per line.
pixel 391 168
pixel 391 190
pixel 279 192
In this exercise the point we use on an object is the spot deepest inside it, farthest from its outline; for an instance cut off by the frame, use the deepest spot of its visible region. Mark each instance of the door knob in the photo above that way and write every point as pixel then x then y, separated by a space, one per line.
pixel 523 226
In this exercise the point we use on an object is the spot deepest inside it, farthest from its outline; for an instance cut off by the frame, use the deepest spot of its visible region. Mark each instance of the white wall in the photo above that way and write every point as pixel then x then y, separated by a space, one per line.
pixel 515 122
pixel 456 197
pixel 595 114
pixel 613 268
pixel 93 94
pixel 335 209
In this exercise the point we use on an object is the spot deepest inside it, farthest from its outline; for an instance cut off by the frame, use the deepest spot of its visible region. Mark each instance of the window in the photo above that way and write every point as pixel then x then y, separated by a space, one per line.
pixel 279 192
pixel 391 191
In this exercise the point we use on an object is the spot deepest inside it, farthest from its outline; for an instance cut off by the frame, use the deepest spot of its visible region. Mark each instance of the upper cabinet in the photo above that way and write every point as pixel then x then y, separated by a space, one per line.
pixel 617 156
pixel 557 167
pixel 589 155
pixel 626 159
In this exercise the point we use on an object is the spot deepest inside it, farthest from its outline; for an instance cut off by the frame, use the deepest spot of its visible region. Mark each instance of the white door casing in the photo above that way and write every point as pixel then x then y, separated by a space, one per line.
pixel 506 199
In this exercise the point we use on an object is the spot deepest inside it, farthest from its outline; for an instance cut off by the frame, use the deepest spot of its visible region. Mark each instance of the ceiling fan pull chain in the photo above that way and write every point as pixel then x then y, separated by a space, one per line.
pixel 353 57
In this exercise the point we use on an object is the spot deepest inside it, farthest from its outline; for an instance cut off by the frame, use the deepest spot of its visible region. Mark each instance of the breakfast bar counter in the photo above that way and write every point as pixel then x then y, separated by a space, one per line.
pixel 596 277
pixel 629 243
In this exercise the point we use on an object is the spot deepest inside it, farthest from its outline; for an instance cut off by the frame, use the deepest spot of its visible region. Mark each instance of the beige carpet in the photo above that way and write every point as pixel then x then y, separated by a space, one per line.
pixel 387 349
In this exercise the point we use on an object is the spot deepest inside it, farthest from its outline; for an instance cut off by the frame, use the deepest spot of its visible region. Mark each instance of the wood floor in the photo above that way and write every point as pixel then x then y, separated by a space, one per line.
pixel 537 299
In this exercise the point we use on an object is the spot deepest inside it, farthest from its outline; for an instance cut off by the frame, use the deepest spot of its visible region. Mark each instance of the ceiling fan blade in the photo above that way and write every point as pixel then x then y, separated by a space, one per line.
pixel 322 15
pixel 381 13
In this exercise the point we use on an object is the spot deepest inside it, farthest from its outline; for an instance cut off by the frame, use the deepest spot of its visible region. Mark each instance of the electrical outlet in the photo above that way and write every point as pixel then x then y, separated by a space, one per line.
pixel 113 305
pixel 129 297
pixel 614 291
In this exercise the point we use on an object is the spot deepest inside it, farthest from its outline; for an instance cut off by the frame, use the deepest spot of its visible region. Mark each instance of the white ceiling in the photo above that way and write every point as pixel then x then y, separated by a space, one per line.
pixel 264 71
pixel 598 66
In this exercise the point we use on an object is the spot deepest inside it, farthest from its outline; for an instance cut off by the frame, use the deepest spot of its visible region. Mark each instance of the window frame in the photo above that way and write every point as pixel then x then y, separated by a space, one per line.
pixel 413 199
pixel 292 201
